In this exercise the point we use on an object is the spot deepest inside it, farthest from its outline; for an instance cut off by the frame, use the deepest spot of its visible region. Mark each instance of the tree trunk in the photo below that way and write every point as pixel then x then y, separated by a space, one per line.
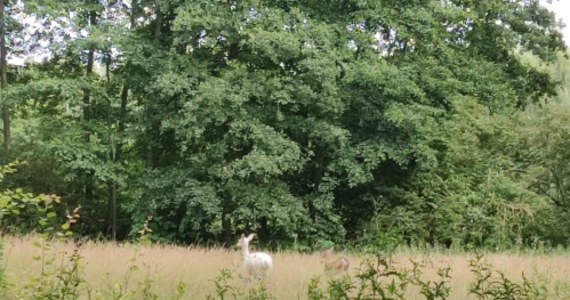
pixel 152 126
pixel 226 228
pixel 158 25
pixel 4 78
pixel 111 220
pixel 112 209
pixel 263 231
pixel 117 155
pixel 119 152
pixel 87 111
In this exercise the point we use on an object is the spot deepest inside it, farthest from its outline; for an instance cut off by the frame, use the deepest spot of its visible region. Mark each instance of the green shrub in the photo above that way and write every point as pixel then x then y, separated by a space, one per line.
pixel 489 284
pixel 381 279
pixel 224 290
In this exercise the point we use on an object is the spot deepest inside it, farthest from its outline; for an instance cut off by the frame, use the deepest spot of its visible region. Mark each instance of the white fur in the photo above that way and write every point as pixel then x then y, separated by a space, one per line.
pixel 256 264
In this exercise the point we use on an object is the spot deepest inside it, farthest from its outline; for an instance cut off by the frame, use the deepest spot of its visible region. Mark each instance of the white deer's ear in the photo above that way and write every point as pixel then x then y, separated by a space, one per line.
pixel 242 236
pixel 250 237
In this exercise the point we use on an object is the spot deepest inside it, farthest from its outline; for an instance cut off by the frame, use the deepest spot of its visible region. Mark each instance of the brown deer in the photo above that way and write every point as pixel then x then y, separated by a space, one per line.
pixel 333 264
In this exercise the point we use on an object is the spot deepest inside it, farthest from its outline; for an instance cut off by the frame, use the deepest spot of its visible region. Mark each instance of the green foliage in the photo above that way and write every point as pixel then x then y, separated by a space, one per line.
pixel 61 276
pixel 487 285
pixel 224 290
pixel 22 211
pixel 481 192
pixel 307 122
pixel 127 290
pixel 55 281
pixel 3 281
pixel 383 280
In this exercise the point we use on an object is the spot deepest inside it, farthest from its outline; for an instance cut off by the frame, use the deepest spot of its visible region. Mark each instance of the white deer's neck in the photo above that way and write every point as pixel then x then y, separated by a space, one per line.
pixel 245 252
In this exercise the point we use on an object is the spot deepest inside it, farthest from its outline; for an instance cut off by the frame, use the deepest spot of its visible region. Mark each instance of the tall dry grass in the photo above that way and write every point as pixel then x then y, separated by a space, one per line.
pixel 106 264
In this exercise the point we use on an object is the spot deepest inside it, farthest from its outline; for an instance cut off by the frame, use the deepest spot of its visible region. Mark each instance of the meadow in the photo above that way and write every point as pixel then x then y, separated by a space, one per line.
pixel 109 270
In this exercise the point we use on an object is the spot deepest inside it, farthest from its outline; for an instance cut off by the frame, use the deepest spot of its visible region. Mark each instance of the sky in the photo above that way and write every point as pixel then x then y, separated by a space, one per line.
pixel 562 10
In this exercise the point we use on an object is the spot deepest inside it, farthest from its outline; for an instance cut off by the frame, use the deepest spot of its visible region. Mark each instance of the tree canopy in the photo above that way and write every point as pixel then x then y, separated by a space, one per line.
pixel 371 122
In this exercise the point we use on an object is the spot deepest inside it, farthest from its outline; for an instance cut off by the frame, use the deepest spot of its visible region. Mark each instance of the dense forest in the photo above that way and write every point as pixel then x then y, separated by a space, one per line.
pixel 363 123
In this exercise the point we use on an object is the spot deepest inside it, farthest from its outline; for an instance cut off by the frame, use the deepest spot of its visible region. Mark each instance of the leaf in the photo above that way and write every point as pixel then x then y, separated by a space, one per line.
pixel 65 226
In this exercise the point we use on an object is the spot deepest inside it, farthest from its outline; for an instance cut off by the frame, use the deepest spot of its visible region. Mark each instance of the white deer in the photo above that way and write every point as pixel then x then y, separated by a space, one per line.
pixel 334 264
pixel 256 263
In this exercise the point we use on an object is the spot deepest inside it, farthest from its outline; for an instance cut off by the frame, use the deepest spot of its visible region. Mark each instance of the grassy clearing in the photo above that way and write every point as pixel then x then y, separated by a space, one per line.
pixel 108 265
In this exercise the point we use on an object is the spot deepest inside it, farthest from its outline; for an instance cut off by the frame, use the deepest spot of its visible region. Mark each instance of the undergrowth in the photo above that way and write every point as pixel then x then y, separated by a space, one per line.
pixel 62 277
pixel 381 278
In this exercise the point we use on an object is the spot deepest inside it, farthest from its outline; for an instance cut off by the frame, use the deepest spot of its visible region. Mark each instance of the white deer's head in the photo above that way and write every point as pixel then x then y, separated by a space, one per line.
pixel 244 241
